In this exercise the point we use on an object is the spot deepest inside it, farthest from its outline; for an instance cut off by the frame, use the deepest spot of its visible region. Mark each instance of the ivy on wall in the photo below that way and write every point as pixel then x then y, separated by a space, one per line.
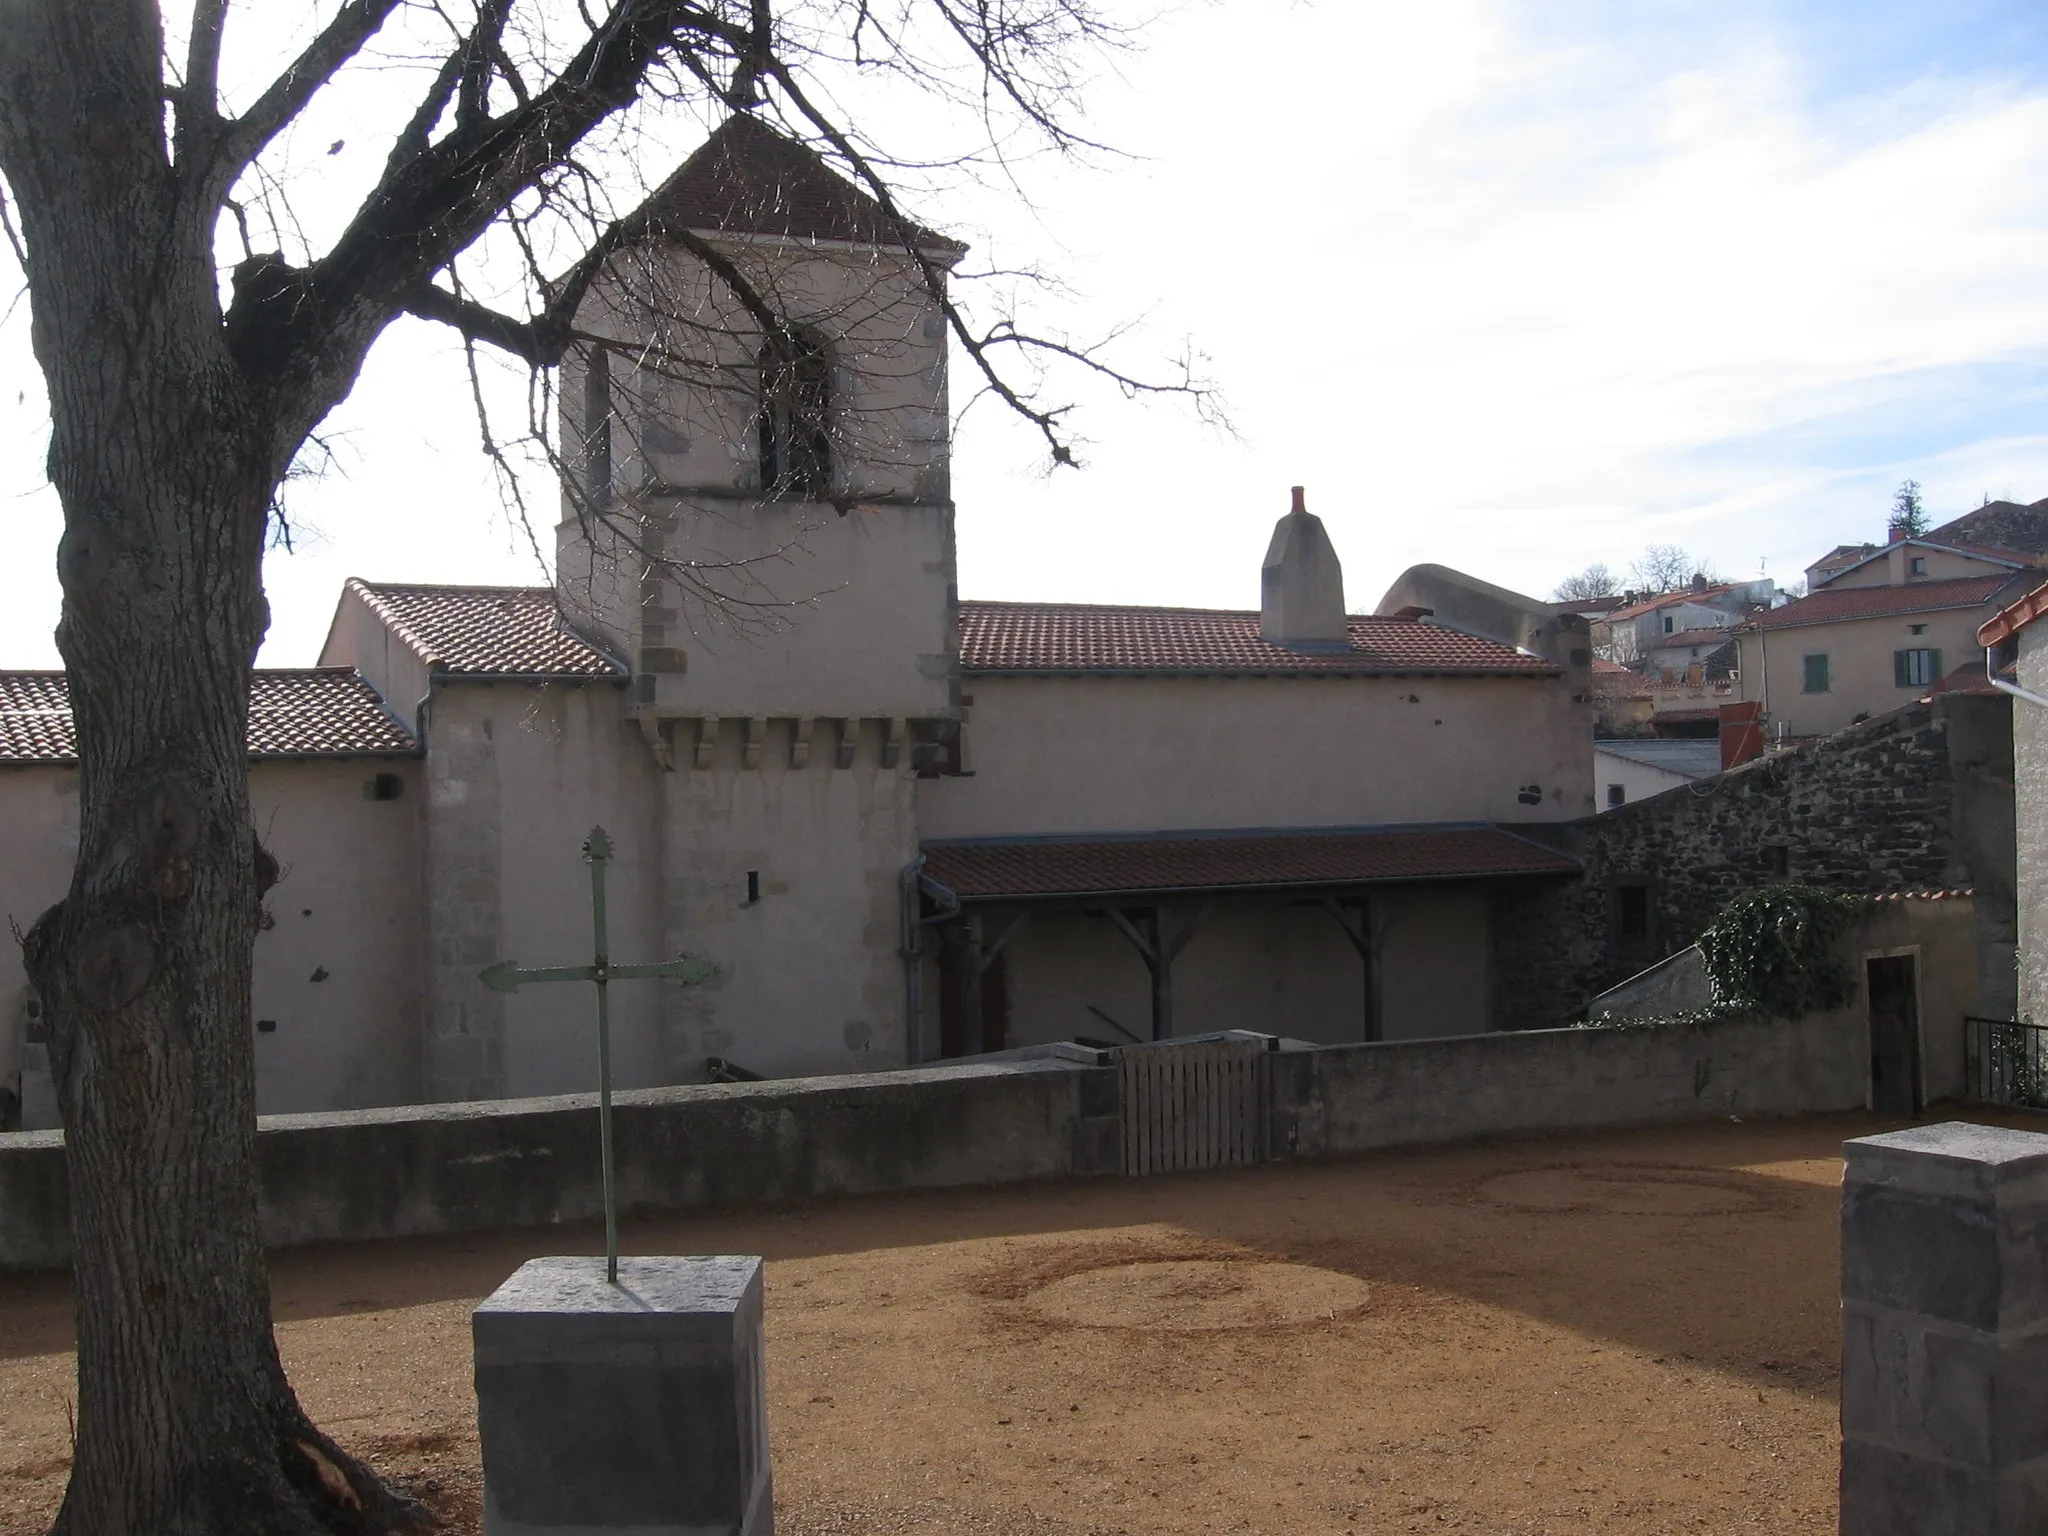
pixel 1773 953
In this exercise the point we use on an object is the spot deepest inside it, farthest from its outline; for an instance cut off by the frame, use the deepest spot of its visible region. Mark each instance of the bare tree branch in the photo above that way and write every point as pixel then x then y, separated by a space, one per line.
pixel 243 139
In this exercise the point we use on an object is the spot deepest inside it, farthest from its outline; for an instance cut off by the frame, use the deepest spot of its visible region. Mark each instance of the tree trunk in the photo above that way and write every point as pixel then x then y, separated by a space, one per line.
pixel 165 462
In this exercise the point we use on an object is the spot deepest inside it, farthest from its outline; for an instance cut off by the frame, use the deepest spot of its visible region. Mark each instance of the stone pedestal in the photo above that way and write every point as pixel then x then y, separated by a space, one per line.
pixel 638 1405
pixel 1945 1333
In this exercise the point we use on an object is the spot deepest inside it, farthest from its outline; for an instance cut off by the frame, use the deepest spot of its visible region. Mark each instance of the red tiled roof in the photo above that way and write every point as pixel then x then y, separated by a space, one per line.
pixel 321 712
pixel 1234 860
pixel 486 631
pixel 2004 625
pixel 1076 637
pixel 748 179
pixel 1834 604
pixel 1666 599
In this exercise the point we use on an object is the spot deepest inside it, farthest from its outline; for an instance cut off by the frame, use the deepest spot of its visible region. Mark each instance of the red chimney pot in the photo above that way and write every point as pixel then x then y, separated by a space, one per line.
pixel 1299 504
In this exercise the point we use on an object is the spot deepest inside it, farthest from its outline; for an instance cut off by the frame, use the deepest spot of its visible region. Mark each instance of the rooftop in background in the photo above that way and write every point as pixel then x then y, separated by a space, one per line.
pixel 983 869
pixel 750 179
pixel 1833 604
pixel 313 712
pixel 1714 637
pixel 1694 759
pixel 1999 525
pixel 1043 638
pixel 486 631
pixel 1645 605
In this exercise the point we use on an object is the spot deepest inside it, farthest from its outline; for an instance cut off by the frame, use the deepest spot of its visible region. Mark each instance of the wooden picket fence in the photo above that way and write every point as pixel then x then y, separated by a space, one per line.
pixel 1191 1104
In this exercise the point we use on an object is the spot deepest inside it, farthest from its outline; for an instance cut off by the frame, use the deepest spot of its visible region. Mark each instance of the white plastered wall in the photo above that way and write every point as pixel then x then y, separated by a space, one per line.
pixel 347 910
pixel 1137 754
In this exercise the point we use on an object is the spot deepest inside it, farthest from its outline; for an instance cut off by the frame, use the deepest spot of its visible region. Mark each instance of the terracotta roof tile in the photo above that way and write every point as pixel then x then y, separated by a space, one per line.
pixel 1833 604
pixel 486 631
pixel 1666 599
pixel 1075 637
pixel 2009 621
pixel 322 712
pixel 1044 867
pixel 748 179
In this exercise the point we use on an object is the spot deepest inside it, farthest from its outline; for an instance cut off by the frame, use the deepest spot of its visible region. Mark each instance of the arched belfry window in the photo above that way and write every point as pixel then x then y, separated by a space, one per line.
pixel 796 415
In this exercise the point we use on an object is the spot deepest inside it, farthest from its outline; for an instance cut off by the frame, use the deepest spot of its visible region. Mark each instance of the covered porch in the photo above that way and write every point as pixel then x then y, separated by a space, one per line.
pixel 1330 935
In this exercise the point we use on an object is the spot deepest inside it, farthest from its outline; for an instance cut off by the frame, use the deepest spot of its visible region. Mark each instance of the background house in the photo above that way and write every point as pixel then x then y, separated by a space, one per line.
pixel 1626 771
pixel 1879 629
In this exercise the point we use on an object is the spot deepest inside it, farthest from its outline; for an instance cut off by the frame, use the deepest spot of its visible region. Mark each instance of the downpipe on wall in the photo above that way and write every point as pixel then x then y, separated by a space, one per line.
pixel 2012 688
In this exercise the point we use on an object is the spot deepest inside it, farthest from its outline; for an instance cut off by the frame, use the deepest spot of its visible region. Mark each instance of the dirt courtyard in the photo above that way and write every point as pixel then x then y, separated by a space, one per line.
pixel 1615 1332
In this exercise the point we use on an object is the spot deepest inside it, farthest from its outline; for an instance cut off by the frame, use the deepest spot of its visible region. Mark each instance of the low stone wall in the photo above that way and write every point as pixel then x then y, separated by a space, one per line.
pixel 1357 1097
pixel 468 1167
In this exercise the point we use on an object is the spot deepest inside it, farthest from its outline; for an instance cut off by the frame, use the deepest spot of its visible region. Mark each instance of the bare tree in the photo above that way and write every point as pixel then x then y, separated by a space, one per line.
pixel 188 361
pixel 1594 581
pixel 1666 568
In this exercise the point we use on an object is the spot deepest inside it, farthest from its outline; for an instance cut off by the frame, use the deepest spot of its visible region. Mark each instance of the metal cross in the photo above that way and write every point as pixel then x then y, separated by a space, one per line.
pixel 509 976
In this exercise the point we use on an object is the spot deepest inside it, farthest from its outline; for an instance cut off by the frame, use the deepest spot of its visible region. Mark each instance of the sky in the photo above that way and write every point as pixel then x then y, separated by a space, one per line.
pixel 1511 287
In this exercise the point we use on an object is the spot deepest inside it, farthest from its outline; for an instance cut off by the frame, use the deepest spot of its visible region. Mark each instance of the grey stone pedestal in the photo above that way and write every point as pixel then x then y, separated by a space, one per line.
pixel 1945 1333
pixel 637 1406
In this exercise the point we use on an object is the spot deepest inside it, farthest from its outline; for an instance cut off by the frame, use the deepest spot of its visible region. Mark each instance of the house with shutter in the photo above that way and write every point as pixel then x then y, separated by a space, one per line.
pixel 1878 630
pixel 902 824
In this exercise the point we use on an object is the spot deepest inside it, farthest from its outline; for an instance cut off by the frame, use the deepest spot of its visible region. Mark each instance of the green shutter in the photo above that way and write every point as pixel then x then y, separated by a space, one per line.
pixel 1934 672
pixel 1816 680
pixel 1902 674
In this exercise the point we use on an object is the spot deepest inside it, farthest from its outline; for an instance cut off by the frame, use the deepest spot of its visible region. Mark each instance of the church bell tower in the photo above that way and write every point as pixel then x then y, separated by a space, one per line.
pixel 759 517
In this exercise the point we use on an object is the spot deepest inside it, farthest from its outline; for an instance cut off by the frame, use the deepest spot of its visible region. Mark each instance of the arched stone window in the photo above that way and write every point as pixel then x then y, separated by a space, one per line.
pixel 796 415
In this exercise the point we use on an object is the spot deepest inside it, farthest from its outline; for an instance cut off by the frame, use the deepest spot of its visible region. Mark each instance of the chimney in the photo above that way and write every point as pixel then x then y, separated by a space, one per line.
pixel 1895 533
pixel 1301 586
pixel 1699 582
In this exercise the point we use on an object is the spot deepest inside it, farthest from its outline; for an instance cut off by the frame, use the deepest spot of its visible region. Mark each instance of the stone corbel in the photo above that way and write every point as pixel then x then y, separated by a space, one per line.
pixel 757 733
pixel 660 740
pixel 892 744
pixel 800 743
pixel 707 739
pixel 849 738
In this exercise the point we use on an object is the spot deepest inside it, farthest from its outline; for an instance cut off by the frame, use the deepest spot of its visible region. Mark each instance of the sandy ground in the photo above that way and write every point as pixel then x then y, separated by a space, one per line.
pixel 1624 1332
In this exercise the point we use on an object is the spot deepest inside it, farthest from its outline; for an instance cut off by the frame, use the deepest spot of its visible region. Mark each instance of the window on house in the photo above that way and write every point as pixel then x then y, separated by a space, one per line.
pixel 1916 629
pixel 1815 675
pixel 796 416
pixel 597 425
pixel 1630 914
pixel 1919 565
pixel 1670 624
pixel 1617 794
pixel 1916 668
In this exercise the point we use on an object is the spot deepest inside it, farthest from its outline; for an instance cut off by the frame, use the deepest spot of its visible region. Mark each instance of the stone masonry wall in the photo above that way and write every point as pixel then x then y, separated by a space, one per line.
pixel 1920 798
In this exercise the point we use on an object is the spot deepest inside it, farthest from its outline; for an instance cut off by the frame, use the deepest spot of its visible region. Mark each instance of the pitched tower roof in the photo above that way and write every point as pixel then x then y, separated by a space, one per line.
pixel 747 179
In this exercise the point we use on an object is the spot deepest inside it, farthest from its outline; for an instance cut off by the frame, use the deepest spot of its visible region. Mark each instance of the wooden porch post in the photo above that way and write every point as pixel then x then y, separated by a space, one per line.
pixel 1358 929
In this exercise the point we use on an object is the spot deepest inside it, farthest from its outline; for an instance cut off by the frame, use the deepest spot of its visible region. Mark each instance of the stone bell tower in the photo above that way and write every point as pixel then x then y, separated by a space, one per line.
pixel 758 519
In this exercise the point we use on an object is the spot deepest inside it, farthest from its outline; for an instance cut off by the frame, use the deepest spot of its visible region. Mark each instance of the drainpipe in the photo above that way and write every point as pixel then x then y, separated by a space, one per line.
pixel 2012 688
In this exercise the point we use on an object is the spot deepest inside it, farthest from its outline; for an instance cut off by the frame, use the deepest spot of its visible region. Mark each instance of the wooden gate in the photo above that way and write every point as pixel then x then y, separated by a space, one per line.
pixel 1191 1104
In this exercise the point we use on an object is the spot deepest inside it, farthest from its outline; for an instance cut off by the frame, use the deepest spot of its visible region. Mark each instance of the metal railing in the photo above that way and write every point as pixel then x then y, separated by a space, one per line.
pixel 2007 1062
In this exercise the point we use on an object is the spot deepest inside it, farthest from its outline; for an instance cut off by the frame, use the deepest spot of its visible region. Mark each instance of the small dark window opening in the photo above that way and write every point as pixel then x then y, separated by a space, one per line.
pixel 385 786
pixel 1631 915
pixel 597 425
pixel 935 751
pixel 1617 794
pixel 266 1026
pixel 796 416
pixel 753 886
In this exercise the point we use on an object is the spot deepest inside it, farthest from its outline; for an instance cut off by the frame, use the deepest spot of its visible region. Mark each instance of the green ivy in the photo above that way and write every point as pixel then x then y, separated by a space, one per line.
pixel 1776 952
pixel 1773 954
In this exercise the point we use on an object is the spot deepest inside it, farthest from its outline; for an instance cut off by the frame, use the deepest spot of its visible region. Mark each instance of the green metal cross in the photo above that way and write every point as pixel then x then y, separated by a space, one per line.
pixel 510 976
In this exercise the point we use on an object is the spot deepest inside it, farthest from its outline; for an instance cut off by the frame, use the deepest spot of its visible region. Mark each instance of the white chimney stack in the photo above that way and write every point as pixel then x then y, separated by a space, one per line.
pixel 1301 602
